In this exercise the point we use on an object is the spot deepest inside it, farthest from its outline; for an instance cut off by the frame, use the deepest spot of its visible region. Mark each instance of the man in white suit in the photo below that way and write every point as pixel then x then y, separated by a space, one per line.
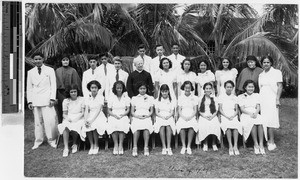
pixel 176 58
pixel 142 56
pixel 106 71
pixel 41 94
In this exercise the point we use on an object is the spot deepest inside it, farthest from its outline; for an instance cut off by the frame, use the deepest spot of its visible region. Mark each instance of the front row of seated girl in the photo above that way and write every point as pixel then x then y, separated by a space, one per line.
pixel 205 116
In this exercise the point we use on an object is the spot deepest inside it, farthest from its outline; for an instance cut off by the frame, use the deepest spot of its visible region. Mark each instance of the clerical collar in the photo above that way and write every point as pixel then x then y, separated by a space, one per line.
pixel 139 71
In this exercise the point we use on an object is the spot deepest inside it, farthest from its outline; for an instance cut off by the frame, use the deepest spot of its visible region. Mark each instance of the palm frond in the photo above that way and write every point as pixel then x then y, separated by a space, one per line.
pixel 282 51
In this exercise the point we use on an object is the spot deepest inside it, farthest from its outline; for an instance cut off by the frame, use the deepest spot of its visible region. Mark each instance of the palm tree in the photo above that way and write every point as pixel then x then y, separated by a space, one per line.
pixel 250 37
pixel 77 28
pixel 161 25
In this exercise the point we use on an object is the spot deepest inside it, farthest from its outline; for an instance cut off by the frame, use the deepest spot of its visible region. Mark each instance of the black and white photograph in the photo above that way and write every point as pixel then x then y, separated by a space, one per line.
pixel 149 89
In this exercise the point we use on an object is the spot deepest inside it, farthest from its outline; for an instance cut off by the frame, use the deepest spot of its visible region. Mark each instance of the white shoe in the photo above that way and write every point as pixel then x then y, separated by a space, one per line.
pixel 74 148
pixel 65 152
pixel 236 152
pixel 262 150
pixel 183 149
pixel 53 144
pixel 146 151
pixel 95 151
pixel 215 148
pixel 205 147
pixel 35 146
pixel 231 152
pixel 256 150
pixel 189 151
pixel 170 153
pixel 271 147
pixel 91 151
pixel 134 151
pixel 164 151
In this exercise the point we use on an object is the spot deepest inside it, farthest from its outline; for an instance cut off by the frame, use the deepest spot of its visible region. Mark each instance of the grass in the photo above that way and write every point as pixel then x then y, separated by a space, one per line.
pixel 281 163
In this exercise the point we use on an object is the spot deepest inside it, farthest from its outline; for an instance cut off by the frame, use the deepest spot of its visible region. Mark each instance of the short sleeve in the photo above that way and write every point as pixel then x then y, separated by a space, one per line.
pixel 110 102
pixel 278 76
pixel 194 77
pixel 151 100
pixel 81 101
pixel 65 104
pixel 240 99
pixel 234 72
pixel 195 101
pixel 211 76
pixel 217 74
pixel 180 101
pixel 133 100
pixel 127 100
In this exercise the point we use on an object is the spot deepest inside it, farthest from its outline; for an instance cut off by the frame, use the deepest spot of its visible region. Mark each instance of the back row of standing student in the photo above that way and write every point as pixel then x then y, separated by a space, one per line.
pixel 106 74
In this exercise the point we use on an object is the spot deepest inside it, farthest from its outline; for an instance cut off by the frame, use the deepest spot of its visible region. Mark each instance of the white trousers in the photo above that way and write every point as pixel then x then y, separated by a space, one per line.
pixel 45 119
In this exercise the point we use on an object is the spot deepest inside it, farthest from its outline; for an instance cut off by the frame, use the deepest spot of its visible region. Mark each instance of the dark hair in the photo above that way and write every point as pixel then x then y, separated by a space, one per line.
pixel 141 46
pixel 93 82
pixel 221 64
pixel 114 89
pixel 184 62
pixel 103 54
pixel 117 58
pixel 185 83
pixel 267 57
pixel 141 83
pixel 249 81
pixel 38 54
pixel 206 84
pixel 253 58
pixel 158 45
pixel 206 62
pixel 94 57
pixel 212 106
pixel 230 82
pixel 161 63
pixel 175 44
pixel 164 87
pixel 71 87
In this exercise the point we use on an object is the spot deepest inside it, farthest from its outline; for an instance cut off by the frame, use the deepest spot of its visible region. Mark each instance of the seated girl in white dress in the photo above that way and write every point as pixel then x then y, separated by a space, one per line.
pixel 251 120
pixel 164 108
pixel 208 123
pixel 118 122
pixel 73 120
pixel 141 111
pixel 94 118
pixel 228 108
pixel 187 108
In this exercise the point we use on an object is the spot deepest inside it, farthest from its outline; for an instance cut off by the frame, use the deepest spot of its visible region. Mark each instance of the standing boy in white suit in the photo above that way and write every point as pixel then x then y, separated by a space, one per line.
pixel 41 95
pixel 176 58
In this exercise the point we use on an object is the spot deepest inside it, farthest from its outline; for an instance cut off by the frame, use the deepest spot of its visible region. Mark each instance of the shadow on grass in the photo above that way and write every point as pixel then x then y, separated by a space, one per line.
pixel 281 163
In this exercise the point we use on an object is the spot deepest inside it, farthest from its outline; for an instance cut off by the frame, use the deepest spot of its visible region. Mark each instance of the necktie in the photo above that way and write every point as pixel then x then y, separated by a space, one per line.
pixel 159 58
pixel 39 70
pixel 176 57
pixel 117 76
pixel 92 71
pixel 105 69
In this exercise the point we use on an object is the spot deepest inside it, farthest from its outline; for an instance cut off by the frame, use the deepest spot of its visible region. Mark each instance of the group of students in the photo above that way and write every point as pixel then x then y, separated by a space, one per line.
pixel 160 96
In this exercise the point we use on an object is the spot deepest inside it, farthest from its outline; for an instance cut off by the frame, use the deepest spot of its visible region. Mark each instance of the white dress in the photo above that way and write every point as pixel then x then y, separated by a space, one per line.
pixel 100 123
pixel 118 107
pixel 181 77
pixel 142 105
pixel 187 103
pixel 205 126
pixel 74 109
pixel 268 90
pixel 165 108
pixel 228 106
pixel 203 78
pixel 249 102
pixel 167 78
pixel 223 76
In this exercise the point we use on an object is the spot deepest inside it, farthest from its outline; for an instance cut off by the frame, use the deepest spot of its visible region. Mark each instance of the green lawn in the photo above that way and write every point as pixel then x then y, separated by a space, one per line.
pixel 281 163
